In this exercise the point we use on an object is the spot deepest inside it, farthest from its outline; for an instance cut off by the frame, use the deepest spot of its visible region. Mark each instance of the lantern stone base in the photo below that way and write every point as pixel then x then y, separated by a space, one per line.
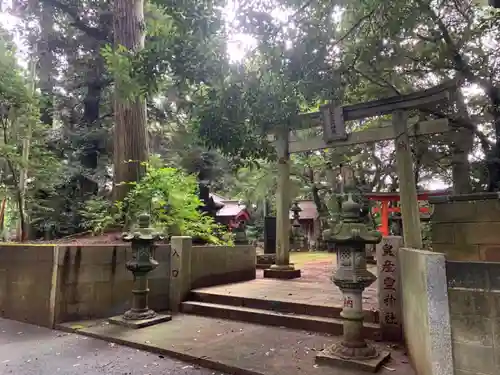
pixel 135 324
pixel 282 273
pixel 328 357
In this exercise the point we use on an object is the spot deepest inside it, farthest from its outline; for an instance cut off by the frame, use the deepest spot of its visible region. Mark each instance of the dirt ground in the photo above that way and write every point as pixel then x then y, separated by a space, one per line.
pixel 86 238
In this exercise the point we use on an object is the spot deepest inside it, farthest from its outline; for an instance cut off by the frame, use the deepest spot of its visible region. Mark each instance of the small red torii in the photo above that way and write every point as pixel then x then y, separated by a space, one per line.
pixel 385 210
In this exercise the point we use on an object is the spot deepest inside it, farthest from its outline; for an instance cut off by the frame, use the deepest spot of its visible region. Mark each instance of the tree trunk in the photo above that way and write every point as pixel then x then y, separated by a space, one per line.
pixel 91 121
pixel 130 133
pixel 321 207
pixel 493 159
pixel 463 141
pixel 46 63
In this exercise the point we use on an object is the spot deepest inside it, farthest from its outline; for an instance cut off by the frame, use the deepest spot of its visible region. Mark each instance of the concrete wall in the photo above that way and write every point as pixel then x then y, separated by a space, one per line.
pixel 474 299
pixel 426 321
pixel 26 283
pixel 213 265
pixel 467 230
pixel 93 282
pixel 49 284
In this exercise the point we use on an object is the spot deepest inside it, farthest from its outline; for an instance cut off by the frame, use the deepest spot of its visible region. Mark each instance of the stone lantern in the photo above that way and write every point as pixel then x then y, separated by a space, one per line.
pixel 296 232
pixel 240 234
pixel 143 242
pixel 296 216
pixel 350 238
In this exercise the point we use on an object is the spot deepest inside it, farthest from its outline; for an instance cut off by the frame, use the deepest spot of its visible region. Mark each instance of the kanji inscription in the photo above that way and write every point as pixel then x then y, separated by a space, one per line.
pixel 387 250
pixel 390 318
pixel 389 266
pixel 389 300
pixel 389 283
pixel 348 302
pixel 389 293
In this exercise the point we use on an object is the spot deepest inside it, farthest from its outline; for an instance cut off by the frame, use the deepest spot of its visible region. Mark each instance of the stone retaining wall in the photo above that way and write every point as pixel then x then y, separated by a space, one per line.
pixel 474 299
pixel 93 282
pixel 201 266
pixel 467 230
pixel 214 265
pixel 451 312
pixel 49 284
pixel 26 283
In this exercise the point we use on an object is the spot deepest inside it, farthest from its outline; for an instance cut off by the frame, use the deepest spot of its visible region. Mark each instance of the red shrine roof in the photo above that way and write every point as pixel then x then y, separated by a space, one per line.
pixel 218 198
pixel 232 207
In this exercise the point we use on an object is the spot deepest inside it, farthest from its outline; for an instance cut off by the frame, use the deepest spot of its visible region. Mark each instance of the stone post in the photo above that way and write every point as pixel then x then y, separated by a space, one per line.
pixel 140 315
pixel 389 288
pixel 350 238
pixel 180 270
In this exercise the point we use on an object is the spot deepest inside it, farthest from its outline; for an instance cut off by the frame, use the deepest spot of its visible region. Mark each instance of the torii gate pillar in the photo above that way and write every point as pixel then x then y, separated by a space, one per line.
pixel 283 269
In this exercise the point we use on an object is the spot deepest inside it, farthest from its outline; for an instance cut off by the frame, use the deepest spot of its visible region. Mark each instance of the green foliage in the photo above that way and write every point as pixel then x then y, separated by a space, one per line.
pixel 140 73
pixel 170 195
pixel 184 47
pixel 101 214
pixel 20 128
pixel 306 53
pixel 120 63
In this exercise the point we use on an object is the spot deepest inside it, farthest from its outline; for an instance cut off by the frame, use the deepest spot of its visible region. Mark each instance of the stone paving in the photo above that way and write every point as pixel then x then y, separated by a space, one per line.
pixel 234 347
pixel 313 287
pixel 309 293
pixel 30 350
pixel 246 348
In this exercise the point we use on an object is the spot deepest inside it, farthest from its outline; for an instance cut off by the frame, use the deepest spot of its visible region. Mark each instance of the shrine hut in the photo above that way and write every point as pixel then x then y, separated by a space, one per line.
pixel 231 213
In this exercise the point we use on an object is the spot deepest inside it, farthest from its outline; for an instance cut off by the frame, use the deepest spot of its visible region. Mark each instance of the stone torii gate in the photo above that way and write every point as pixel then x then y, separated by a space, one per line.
pixel 331 119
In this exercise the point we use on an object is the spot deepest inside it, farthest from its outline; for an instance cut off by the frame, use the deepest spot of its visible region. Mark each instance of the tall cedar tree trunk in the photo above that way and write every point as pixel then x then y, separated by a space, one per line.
pixel 463 141
pixel 493 160
pixel 130 133
pixel 91 121
pixel 46 63
pixel 45 70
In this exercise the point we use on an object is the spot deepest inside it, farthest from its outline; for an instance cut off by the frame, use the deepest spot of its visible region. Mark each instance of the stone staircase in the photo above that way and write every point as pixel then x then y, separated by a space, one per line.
pixel 313 318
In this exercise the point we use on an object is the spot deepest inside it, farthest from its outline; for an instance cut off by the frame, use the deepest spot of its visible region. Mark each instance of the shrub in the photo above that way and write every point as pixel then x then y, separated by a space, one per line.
pixel 170 196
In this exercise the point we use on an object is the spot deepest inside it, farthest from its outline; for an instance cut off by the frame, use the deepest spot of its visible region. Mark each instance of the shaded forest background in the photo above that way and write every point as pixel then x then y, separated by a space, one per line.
pixel 86 98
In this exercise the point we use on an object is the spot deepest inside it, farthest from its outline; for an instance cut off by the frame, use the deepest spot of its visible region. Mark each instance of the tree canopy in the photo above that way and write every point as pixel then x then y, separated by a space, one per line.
pixel 210 114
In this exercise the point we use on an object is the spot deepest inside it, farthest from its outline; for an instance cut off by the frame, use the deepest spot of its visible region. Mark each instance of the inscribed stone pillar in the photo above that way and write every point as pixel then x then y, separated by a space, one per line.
pixel 389 288
pixel 180 270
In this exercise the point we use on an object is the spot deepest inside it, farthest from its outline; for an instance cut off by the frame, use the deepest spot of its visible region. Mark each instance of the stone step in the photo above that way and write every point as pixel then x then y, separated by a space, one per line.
pixel 310 323
pixel 284 307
